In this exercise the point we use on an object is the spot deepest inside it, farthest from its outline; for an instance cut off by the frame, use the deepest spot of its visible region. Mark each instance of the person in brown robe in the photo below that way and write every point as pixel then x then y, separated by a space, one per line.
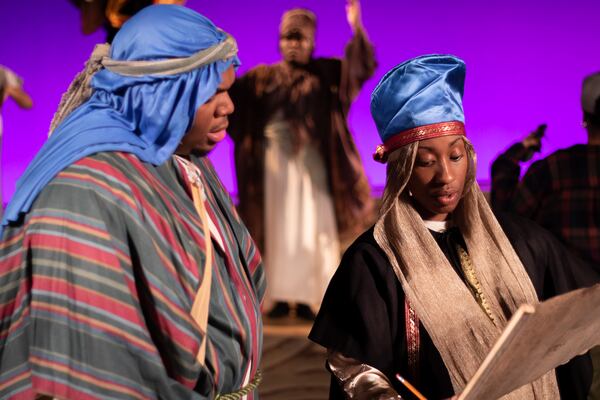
pixel 312 96
pixel 111 14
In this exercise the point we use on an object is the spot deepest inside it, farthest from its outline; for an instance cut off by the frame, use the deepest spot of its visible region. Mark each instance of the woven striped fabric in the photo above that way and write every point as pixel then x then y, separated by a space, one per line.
pixel 97 282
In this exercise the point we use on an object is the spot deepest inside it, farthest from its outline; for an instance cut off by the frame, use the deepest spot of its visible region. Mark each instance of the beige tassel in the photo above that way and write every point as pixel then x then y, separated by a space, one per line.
pixel 79 90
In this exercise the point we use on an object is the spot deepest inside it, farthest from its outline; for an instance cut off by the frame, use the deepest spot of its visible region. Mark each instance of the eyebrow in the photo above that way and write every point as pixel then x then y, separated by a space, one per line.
pixel 431 149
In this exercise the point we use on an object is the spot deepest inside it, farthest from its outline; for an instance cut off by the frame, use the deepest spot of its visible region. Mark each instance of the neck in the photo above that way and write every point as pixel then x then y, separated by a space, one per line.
pixel 296 65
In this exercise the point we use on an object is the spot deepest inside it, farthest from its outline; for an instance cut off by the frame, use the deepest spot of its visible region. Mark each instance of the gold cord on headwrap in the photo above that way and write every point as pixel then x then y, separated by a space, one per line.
pixel 79 90
pixel 461 329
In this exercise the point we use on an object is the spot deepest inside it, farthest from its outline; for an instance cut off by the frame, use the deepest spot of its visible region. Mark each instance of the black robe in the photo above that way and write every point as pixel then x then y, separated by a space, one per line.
pixel 362 314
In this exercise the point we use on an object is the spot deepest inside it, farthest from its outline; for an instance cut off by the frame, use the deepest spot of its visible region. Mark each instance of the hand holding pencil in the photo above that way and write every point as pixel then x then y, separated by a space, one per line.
pixel 414 390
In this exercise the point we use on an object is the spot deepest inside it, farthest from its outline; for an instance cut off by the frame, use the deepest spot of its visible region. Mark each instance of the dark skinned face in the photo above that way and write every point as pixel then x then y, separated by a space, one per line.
pixel 296 47
pixel 438 178
pixel 210 121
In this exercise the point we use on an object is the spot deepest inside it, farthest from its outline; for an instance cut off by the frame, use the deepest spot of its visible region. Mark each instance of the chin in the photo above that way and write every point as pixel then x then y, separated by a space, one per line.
pixel 443 210
pixel 201 152
pixel 296 62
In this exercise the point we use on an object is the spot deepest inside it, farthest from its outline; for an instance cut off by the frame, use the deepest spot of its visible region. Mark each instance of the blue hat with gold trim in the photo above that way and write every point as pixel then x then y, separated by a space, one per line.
pixel 417 100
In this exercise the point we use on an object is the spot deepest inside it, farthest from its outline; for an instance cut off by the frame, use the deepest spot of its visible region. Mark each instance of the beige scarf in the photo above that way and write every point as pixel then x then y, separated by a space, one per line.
pixel 459 328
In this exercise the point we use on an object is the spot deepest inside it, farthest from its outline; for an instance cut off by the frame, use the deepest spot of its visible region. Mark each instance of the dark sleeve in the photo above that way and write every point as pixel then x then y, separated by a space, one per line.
pixel 358 65
pixel 553 270
pixel 532 189
pixel 505 175
pixel 359 313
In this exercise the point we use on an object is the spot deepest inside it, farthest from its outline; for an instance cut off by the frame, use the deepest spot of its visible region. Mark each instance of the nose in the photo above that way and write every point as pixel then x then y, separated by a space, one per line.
pixel 226 107
pixel 444 174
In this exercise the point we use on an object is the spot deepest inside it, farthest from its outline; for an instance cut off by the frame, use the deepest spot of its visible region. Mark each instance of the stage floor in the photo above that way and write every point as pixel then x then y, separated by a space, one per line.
pixel 293 367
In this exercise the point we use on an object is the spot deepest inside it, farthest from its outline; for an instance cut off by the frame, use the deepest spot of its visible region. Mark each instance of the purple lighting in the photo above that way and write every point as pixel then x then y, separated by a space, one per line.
pixel 525 64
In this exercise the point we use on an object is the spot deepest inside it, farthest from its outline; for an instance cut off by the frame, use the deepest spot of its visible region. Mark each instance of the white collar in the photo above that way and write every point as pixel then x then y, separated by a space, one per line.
pixel 438 226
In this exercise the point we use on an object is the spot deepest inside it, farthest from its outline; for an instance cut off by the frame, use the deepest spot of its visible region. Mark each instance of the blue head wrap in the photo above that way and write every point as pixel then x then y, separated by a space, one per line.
pixel 422 92
pixel 145 115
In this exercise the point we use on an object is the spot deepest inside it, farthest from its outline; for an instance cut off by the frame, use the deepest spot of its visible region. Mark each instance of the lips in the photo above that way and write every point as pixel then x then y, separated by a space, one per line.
pixel 446 198
pixel 217 136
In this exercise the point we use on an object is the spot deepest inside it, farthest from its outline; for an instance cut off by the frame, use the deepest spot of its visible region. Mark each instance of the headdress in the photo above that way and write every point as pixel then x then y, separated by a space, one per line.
pixel 419 99
pixel 298 20
pixel 140 97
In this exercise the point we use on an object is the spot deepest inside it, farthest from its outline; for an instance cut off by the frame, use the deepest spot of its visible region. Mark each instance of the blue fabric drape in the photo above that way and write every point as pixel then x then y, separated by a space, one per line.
pixel 146 116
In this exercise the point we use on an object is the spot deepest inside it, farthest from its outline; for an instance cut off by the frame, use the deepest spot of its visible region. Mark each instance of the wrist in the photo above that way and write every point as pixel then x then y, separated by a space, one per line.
pixel 356 28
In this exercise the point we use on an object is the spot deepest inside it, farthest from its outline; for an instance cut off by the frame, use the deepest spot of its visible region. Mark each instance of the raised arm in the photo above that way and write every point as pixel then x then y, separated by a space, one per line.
pixel 354 15
pixel 506 170
pixel 359 61
pixel 20 96
pixel 14 89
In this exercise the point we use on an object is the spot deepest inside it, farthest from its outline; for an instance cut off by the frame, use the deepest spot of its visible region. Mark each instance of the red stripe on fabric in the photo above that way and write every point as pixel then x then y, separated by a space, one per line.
pixel 256 259
pixel 70 223
pixel 165 230
pixel 84 177
pixel 12 240
pixel 241 281
pixel 81 294
pixel 79 227
pixel 123 310
pixel 94 323
pixel 249 301
pixel 26 394
pixel 55 389
pixel 182 217
pixel 17 378
pixel 179 338
pixel 81 251
pixel 86 377
pixel 11 264
pixel 14 325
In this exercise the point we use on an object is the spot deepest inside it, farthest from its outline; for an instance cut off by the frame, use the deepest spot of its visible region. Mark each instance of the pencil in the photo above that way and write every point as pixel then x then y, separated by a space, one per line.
pixel 410 387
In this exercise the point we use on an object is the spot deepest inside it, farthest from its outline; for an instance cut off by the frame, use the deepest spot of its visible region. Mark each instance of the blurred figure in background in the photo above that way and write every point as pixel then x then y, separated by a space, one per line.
pixel 11 86
pixel 560 192
pixel 111 14
pixel 302 187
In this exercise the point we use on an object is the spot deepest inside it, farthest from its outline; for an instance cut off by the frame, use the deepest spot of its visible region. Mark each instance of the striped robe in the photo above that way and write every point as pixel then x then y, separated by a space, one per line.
pixel 98 279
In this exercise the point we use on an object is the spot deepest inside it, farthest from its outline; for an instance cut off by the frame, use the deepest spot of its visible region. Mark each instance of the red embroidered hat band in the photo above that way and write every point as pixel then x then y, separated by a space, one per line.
pixel 415 134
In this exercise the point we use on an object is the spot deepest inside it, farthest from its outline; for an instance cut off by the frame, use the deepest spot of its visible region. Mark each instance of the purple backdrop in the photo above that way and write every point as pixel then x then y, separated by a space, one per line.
pixel 525 64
